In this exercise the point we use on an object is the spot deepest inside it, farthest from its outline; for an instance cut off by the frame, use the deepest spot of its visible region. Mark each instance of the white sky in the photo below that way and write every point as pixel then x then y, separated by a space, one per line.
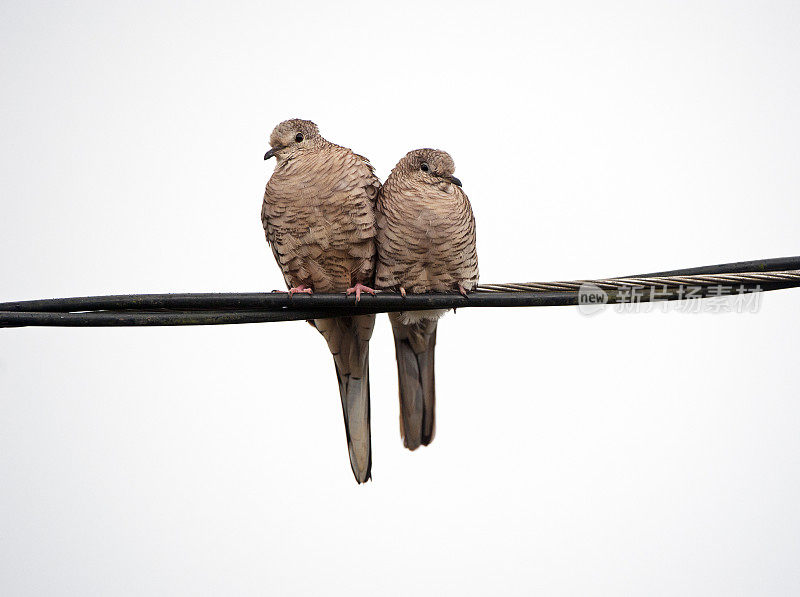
pixel 621 454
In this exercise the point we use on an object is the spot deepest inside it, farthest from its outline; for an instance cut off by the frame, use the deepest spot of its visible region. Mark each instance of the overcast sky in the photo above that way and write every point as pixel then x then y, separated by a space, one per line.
pixel 643 454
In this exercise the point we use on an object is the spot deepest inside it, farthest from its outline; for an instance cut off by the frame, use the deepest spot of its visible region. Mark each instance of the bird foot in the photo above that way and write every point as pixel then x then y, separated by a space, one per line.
pixel 303 289
pixel 462 290
pixel 358 289
pixel 402 292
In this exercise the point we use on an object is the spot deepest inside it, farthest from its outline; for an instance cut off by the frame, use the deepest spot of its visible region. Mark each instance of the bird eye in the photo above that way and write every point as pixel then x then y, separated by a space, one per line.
pixel 298 137
pixel 424 167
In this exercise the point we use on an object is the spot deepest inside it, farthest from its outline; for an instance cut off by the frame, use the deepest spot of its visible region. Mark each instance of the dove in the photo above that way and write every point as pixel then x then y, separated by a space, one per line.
pixel 425 243
pixel 319 219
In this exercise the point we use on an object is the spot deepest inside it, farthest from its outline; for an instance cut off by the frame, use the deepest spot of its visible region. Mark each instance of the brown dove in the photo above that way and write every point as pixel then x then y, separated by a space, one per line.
pixel 319 218
pixel 426 243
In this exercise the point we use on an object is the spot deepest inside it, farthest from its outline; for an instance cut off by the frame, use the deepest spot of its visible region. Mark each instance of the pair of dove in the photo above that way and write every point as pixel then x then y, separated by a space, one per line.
pixel 333 227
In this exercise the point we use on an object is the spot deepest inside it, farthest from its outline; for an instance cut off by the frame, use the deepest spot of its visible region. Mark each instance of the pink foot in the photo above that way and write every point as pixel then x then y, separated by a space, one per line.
pixel 303 289
pixel 358 289
pixel 402 292
pixel 462 290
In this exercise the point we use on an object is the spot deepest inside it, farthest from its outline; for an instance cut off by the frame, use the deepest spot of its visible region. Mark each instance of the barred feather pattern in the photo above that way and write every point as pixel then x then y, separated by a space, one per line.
pixel 426 242
pixel 426 229
pixel 319 220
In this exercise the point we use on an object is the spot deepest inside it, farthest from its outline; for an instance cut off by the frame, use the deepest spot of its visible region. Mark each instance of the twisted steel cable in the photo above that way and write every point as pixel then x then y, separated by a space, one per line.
pixel 669 281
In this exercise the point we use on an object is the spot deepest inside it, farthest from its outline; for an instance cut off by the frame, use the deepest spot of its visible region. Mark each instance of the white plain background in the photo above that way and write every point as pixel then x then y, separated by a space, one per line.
pixel 621 454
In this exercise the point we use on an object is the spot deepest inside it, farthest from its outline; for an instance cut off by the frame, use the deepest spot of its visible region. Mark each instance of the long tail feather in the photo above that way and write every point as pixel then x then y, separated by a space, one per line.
pixel 414 344
pixel 348 340
pixel 355 397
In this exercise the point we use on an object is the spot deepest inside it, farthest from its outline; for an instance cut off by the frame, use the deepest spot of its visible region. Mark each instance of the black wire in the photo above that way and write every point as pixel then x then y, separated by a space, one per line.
pixel 386 301
pixel 740 267
pixel 227 308
pixel 332 305
pixel 254 308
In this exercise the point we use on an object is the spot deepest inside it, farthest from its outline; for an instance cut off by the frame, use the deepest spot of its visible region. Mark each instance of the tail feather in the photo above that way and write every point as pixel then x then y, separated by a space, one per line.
pixel 355 396
pixel 348 340
pixel 414 349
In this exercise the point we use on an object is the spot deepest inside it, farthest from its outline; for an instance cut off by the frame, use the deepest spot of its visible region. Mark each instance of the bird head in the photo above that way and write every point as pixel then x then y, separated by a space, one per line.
pixel 291 136
pixel 429 166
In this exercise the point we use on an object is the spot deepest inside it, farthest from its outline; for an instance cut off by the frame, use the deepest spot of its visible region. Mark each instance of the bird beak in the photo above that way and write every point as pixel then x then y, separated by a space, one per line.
pixel 271 152
pixel 454 180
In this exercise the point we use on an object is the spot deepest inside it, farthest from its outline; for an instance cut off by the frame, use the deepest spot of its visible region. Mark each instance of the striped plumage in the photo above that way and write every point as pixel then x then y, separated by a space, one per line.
pixel 318 216
pixel 426 243
pixel 318 211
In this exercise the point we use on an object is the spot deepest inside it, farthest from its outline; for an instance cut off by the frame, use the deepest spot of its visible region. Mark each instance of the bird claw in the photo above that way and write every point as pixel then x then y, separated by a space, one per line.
pixel 402 292
pixel 302 289
pixel 462 290
pixel 358 289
